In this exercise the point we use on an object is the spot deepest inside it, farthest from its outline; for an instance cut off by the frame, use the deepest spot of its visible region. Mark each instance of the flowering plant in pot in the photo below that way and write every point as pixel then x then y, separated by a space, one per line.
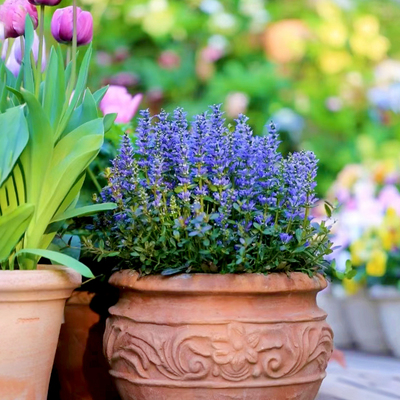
pixel 50 132
pixel 220 263
pixel 373 246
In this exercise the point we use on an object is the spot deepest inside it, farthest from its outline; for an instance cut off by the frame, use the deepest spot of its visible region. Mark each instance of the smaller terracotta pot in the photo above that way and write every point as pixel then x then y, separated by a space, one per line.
pixel 334 306
pixel 80 365
pixel 362 315
pixel 31 312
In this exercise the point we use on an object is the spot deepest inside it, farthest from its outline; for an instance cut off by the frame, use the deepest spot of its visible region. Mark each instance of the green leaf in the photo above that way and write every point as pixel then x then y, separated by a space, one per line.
pixel 87 210
pixel 328 210
pixel 98 96
pixel 173 271
pixel 61 259
pixel 29 83
pixel 86 112
pixel 349 266
pixel 37 155
pixel 109 119
pixel 12 227
pixel 67 244
pixel 78 92
pixel 351 274
pixel 13 139
pixel 54 89
pixel 178 189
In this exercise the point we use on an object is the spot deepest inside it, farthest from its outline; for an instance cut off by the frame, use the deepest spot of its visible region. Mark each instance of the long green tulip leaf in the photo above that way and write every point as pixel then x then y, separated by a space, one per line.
pixel 99 94
pixel 59 258
pixel 86 112
pixel 37 156
pixel 71 156
pixel 83 211
pixel 12 227
pixel 78 92
pixel 13 140
pixel 54 89
pixel 29 83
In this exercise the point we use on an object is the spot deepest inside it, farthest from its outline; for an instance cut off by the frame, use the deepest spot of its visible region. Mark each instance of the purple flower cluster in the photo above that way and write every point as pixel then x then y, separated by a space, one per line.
pixel 187 187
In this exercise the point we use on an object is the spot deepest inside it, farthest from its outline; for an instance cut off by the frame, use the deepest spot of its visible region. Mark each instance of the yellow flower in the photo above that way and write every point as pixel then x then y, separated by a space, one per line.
pixel 351 286
pixel 367 26
pixel 378 48
pixel 328 10
pixel 359 252
pixel 376 266
pixel 333 34
pixel 158 23
pixel 387 238
pixel 332 62
pixel 384 169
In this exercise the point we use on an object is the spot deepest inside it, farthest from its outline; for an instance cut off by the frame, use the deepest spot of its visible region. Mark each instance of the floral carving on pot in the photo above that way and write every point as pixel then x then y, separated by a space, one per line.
pixel 233 352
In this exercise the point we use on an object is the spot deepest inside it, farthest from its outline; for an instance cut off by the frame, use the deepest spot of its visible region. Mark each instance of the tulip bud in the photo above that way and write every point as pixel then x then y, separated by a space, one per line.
pixel 118 100
pixel 62 26
pixel 45 2
pixel 13 14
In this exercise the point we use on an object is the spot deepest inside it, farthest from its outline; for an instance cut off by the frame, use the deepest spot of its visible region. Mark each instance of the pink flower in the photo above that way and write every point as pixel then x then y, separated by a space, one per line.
pixel 169 60
pixel 118 100
pixel 62 26
pixel 13 14
pixel 45 2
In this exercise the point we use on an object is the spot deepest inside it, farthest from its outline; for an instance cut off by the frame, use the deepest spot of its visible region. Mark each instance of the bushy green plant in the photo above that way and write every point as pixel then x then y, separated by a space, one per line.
pixel 209 198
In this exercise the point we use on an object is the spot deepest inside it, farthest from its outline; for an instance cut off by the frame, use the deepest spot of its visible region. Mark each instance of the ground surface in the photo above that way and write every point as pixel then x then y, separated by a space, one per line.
pixel 365 378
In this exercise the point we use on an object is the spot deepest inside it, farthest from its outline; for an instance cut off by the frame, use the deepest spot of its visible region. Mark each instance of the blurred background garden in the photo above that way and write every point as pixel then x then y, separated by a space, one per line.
pixel 327 72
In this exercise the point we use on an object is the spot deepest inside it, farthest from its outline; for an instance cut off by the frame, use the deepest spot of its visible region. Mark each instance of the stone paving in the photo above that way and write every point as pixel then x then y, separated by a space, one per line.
pixel 366 377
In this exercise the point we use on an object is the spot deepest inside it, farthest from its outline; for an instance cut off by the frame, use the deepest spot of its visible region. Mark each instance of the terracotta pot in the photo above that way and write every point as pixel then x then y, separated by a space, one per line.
pixel 202 337
pixel 31 311
pixel 80 365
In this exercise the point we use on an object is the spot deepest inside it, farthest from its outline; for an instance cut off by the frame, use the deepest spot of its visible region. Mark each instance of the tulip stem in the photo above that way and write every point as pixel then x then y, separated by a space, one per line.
pixel 22 43
pixel 71 84
pixel 68 56
pixel 74 42
pixel 40 55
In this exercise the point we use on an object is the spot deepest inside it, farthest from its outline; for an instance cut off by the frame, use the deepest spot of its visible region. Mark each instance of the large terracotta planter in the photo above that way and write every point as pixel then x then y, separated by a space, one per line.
pixel 219 337
pixel 80 365
pixel 31 312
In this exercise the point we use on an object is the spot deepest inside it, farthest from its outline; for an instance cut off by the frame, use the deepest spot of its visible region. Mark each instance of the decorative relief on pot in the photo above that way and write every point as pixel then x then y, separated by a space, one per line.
pixel 232 353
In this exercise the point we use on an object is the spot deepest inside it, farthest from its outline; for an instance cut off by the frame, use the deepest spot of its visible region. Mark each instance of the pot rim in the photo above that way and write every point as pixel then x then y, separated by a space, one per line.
pixel 46 277
pixel 219 283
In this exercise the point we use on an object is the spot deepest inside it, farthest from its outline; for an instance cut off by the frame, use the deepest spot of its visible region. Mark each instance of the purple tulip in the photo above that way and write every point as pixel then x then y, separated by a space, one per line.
pixel 45 2
pixel 13 14
pixel 118 100
pixel 62 26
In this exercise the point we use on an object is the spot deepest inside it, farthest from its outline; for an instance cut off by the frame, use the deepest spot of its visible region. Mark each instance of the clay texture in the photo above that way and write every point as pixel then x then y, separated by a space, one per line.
pixel 219 337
